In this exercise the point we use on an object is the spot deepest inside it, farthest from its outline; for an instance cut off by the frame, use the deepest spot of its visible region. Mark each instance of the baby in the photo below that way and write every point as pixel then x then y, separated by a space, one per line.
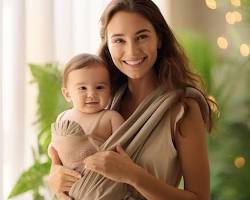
pixel 79 131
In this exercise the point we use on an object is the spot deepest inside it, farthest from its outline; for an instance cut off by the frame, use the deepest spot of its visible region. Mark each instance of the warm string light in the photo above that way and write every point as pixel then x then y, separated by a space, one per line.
pixel 233 17
pixel 239 162
pixel 222 42
pixel 244 50
pixel 211 4
pixel 237 16
pixel 236 2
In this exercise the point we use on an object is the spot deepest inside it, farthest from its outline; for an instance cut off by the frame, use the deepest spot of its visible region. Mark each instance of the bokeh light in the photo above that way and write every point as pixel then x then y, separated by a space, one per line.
pixel 211 4
pixel 222 42
pixel 244 50
pixel 239 162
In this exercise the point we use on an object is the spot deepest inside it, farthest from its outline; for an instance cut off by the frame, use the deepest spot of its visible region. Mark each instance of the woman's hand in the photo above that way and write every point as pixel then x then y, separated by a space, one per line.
pixel 60 178
pixel 116 166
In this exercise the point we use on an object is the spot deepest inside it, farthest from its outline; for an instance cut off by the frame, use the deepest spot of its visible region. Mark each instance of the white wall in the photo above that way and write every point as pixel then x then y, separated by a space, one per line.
pixel 1 117
pixel 13 91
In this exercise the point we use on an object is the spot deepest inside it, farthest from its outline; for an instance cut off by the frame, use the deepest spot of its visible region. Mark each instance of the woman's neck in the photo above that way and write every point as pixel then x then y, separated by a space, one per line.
pixel 138 89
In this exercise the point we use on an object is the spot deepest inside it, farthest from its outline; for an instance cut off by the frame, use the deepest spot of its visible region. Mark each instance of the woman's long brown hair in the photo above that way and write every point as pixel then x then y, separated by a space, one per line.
pixel 172 65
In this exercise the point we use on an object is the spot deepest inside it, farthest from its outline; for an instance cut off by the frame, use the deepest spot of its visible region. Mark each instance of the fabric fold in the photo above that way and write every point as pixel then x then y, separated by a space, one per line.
pixel 150 123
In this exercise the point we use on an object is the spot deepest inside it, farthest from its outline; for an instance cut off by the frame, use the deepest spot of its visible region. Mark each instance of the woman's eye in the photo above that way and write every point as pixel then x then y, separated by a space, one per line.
pixel 118 41
pixel 141 37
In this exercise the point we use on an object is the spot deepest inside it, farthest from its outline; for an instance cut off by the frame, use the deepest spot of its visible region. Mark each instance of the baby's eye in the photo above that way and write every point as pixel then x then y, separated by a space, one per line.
pixel 83 88
pixel 100 87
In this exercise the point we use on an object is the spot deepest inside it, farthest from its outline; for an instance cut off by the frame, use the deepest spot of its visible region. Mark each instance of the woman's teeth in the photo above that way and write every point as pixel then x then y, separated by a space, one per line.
pixel 134 62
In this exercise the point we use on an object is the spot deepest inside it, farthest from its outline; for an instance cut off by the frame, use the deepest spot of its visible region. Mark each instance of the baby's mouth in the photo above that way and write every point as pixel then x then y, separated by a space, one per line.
pixel 92 103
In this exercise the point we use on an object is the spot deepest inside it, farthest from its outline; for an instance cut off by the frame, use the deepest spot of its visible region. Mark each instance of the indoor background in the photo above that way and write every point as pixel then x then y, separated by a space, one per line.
pixel 38 36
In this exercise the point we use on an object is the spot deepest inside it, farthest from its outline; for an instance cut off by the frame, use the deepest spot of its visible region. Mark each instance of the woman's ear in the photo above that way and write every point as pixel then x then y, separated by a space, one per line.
pixel 66 94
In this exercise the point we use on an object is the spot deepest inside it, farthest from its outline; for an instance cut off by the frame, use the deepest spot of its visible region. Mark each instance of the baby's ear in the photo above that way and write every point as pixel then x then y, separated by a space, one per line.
pixel 66 94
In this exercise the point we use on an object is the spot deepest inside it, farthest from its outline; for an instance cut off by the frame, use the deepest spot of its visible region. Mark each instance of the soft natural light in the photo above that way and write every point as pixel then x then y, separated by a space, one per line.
pixel 53 31
pixel 36 32
pixel 13 89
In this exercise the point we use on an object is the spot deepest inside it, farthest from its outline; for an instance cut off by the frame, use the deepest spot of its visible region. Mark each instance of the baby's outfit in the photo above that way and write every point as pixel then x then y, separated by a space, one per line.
pixel 73 144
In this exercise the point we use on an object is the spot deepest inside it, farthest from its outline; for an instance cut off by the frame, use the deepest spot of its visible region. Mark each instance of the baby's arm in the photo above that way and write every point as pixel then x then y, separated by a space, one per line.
pixel 116 120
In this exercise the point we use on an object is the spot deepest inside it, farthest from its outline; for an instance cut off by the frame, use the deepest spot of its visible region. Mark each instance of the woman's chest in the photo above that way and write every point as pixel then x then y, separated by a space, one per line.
pixel 159 156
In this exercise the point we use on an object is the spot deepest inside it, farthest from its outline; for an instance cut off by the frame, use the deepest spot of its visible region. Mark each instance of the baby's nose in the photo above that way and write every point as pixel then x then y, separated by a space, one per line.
pixel 91 94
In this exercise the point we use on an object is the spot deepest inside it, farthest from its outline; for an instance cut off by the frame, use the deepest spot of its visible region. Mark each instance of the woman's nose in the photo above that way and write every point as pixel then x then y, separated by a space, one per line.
pixel 132 49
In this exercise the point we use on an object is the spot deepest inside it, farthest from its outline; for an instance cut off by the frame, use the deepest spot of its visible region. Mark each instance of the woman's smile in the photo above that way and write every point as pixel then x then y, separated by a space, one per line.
pixel 134 62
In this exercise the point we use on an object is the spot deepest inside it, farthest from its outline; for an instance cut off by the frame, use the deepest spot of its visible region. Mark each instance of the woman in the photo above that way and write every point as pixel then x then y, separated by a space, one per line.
pixel 144 55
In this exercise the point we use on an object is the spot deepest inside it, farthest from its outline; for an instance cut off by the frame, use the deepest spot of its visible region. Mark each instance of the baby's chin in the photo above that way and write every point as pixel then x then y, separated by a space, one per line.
pixel 92 110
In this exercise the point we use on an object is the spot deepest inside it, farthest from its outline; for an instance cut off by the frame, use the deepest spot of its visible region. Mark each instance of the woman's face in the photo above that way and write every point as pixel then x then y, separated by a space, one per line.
pixel 132 42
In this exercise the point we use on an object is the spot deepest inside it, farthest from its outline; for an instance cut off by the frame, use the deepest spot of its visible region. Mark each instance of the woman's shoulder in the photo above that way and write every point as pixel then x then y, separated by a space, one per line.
pixel 191 106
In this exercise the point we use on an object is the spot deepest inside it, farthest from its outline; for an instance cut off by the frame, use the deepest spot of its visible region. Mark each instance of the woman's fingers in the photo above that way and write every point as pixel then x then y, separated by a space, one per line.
pixel 72 173
pixel 54 156
pixel 121 151
pixel 113 165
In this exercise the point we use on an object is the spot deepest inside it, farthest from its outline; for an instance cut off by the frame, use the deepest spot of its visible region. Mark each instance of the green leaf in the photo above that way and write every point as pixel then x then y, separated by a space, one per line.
pixel 30 179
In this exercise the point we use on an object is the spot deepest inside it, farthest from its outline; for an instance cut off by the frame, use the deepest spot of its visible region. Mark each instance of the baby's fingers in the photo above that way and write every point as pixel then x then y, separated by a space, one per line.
pixel 63 196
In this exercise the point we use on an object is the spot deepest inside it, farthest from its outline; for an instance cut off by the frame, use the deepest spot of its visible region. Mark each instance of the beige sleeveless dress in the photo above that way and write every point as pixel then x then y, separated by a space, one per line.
pixel 146 137
pixel 72 143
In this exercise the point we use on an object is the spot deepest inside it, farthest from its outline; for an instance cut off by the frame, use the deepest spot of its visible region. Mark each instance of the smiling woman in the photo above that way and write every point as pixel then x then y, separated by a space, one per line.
pixel 165 110
pixel 42 26
pixel 130 32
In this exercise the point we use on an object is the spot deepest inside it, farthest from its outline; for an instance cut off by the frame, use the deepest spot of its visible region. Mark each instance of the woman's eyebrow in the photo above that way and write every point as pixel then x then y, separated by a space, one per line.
pixel 137 33
pixel 117 35
pixel 142 31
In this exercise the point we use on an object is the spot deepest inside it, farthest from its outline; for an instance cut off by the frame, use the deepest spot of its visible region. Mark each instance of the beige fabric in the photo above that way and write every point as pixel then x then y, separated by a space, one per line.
pixel 146 137
pixel 72 143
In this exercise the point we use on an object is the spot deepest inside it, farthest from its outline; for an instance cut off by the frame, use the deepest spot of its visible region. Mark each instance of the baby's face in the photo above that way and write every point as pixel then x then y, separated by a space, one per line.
pixel 89 88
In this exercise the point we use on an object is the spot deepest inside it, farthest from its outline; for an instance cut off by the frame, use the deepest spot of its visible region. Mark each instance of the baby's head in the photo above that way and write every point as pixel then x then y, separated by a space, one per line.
pixel 86 83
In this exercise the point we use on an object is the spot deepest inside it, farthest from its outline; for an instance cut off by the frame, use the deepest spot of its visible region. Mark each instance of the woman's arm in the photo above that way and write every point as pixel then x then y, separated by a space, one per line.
pixel 60 178
pixel 192 151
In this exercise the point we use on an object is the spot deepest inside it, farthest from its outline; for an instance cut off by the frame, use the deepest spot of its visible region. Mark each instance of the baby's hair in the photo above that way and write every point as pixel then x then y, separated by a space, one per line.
pixel 80 61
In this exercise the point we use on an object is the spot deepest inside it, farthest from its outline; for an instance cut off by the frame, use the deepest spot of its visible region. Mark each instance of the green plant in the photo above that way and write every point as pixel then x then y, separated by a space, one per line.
pixel 227 79
pixel 50 103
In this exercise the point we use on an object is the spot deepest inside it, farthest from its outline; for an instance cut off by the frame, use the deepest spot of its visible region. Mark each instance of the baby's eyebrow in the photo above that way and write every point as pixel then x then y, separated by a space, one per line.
pixel 102 83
